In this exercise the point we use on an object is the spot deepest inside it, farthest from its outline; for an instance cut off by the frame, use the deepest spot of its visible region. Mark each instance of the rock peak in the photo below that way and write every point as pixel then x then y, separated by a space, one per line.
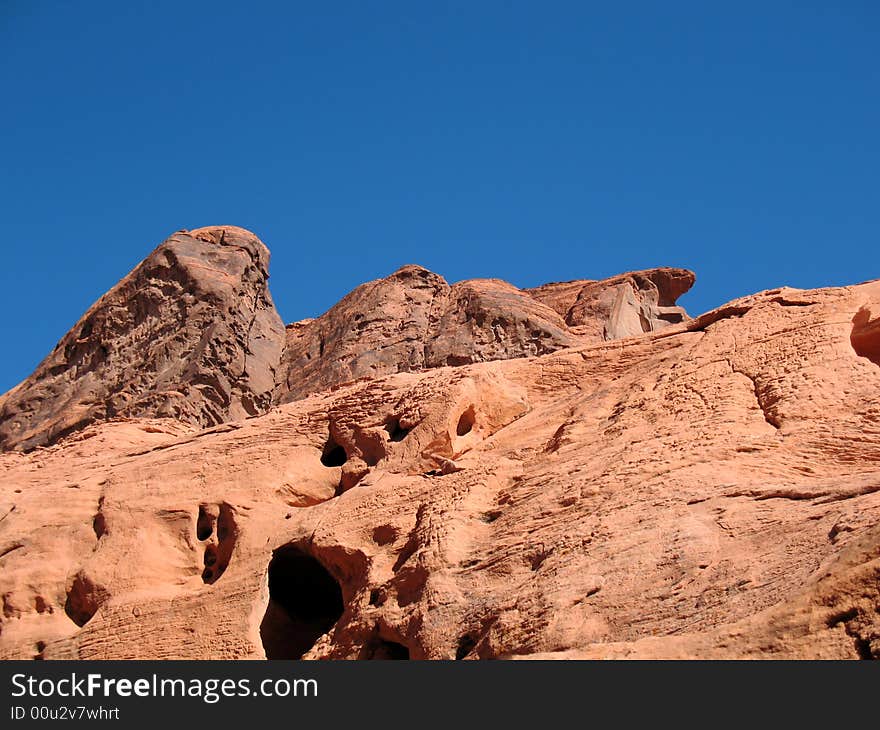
pixel 408 270
pixel 191 333
pixel 232 236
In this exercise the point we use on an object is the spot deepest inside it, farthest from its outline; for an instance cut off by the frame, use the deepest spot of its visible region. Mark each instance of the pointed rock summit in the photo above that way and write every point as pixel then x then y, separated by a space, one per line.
pixel 191 333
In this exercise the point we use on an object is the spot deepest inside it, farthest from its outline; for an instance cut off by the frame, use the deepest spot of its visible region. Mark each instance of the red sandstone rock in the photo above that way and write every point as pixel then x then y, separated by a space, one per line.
pixel 191 334
pixel 710 488
pixel 413 320
pixel 622 306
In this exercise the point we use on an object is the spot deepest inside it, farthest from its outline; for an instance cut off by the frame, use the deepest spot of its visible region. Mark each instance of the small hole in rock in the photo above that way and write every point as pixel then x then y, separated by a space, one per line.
pixel 377 597
pixel 536 560
pixel 99 525
pixel 383 649
pixel 384 534
pixel 334 454
pixel 204 524
pixel 217 556
pixel 466 422
pixel 466 645
pixel 395 431
pixel 305 602
pixel 84 598
pixel 863 648
pixel 371 458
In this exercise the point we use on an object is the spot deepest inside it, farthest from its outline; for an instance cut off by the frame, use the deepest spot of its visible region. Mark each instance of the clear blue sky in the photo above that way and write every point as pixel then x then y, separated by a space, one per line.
pixel 531 141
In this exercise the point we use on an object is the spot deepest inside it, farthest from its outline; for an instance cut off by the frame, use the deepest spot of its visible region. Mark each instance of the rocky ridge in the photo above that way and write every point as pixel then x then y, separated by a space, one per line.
pixel 192 334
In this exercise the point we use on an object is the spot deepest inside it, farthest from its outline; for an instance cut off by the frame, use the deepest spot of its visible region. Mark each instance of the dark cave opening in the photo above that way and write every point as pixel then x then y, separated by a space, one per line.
pixel 204 524
pixel 466 422
pixel 305 601
pixel 84 598
pixel 383 649
pixel 395 431
pixel 466 644
pixel 334 454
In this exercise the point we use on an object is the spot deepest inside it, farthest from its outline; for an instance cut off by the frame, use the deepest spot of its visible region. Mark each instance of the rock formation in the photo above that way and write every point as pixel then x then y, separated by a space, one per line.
pixel 623 306
pixel 191 334
pixel 443 471
pixel 414 320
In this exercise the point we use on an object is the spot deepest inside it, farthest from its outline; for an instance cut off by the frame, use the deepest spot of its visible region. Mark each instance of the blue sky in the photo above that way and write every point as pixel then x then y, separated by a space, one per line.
pixel 530 141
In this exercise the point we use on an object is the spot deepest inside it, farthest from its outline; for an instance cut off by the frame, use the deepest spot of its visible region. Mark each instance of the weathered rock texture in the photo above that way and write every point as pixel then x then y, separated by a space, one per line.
pixel 191 334
pixel 623 306
pixel 709 489
pixel 414 320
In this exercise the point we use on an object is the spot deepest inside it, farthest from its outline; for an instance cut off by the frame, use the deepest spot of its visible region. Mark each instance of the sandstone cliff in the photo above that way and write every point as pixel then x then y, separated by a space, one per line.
pixel 443 471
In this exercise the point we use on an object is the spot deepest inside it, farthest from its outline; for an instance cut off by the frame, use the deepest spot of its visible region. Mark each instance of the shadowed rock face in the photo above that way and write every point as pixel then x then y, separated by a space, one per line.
pixel 191 333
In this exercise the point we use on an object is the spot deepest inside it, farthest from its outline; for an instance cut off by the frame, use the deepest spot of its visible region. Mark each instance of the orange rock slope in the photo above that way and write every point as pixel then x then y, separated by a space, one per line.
pixel 430 471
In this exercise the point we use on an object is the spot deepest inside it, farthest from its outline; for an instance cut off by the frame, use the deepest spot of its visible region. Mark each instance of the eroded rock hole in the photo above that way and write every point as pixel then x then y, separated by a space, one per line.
pixel 455 361
pixel 396 432
pixel 218 550
pixel 466 645
pixel 384 649
pixel 204 524
pixel 334 454
pixel 384 534
pixel 305 601
pixel 99 525
pixel 865 337
pixel 99 522
pixel 863 648
pixel 466 422
pixel 84 598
